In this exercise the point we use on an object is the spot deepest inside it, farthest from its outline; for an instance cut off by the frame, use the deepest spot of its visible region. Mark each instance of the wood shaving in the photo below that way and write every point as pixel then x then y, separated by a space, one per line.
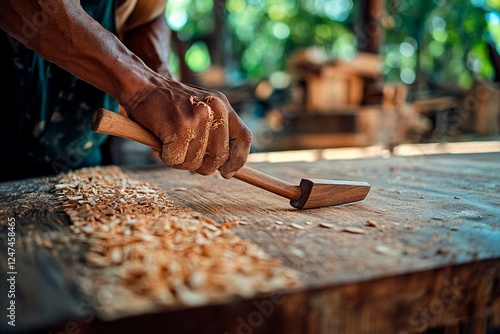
pixel 383 249
pixel 354 230
pixel 297 226
pixel 373 223
pixel 142 246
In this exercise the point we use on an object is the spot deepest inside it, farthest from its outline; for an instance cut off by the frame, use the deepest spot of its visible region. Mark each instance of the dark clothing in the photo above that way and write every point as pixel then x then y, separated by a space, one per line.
pixel 47 111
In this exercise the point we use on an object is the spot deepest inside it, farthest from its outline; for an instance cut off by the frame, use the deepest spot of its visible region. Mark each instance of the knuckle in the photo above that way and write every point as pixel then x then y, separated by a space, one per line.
pixel 219 96
pixel 247 136
pixel 220 103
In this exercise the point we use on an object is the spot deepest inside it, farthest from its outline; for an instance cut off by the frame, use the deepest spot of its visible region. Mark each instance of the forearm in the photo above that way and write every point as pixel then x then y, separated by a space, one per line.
pixel 151 42
pixel 199 129
pixel 68 37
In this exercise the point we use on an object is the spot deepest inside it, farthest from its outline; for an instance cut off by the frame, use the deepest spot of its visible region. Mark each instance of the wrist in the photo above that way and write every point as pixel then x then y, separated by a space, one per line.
pixel 137 86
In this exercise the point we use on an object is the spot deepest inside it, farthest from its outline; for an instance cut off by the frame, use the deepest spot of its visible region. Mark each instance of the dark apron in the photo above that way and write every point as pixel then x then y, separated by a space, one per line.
pixel 46 111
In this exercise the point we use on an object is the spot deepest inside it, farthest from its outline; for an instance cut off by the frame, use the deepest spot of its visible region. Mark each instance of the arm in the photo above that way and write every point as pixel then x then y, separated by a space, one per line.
pixel 65 35
pixel 151 42
pixel 198 128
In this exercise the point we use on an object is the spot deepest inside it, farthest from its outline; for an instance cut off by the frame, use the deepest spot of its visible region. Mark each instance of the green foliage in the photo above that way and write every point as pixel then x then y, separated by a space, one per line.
pixel 198 57
pixel 263 33
pixel 448 38
pixel 441 41
pixel 190 18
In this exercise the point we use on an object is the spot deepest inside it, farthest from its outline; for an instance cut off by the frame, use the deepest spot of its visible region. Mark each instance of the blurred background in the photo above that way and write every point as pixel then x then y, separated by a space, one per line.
pixel 317 74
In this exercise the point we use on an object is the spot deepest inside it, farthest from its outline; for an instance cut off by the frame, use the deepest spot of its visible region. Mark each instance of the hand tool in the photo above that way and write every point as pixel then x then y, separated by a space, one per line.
pixel 311 193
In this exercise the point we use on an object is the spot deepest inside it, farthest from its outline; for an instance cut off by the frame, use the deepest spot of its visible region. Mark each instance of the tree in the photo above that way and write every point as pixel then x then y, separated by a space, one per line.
pixel 443 42
pixel 437 42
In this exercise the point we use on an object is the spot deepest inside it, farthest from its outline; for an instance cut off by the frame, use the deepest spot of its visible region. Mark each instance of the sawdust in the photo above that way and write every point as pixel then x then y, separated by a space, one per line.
pixel 146 251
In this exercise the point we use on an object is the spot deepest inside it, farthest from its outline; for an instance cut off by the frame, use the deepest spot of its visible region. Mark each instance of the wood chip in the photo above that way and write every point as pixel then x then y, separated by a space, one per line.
pixel 372 223
pixel 354 230
pixel 383 249
pixel 140 242
pixel 297 226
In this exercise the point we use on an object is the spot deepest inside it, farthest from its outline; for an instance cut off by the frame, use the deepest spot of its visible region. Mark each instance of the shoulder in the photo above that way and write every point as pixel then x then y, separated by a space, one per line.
pixel 132 13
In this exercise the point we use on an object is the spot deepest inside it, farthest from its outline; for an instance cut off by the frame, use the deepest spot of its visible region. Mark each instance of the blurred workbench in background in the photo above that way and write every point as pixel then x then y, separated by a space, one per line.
pixel 428 260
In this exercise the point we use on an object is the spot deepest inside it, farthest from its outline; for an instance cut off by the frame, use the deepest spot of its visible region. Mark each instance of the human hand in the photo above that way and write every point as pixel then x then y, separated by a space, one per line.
pixel 199 129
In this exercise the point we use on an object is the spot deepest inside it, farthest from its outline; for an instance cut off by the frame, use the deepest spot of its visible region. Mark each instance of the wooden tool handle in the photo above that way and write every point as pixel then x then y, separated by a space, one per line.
pixel 108 122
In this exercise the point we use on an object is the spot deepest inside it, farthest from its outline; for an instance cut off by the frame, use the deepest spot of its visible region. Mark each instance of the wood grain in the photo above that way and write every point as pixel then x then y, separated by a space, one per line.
pixel 431 263
pixel 317 193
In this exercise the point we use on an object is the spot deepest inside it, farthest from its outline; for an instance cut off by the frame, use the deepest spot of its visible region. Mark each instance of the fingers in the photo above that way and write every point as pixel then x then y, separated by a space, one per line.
pixel 224 145
pixel 218 145
pixel 240 139
pixel 199 129
pixel 174 150
pixel 197 136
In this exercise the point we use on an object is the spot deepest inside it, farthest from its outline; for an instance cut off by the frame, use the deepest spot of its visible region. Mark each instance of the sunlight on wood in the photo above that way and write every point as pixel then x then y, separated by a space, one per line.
pixel 376 151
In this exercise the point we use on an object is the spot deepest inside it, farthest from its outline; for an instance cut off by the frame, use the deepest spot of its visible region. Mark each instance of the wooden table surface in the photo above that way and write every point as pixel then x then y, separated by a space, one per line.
pixel 431 263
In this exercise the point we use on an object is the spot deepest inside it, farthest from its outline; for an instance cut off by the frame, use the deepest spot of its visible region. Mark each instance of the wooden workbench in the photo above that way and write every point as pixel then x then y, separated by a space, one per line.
pixel 430 263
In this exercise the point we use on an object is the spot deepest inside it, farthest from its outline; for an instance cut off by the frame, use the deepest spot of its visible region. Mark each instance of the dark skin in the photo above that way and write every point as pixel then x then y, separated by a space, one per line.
pixel 199 129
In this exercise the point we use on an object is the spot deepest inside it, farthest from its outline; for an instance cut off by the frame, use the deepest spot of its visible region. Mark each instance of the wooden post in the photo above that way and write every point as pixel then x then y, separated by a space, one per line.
pixel 368 27
pixel 218 38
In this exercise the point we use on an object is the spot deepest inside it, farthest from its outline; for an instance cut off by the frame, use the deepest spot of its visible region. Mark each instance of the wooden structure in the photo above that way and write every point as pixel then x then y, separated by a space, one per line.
pixel 345 127
pixel 420 254
pixel 332 85
pixel 484 100
pixel 341 104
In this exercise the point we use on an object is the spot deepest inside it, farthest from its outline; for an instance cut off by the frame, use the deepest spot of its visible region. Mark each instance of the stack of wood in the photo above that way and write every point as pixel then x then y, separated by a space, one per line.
pixel 337 84
pixel 338 103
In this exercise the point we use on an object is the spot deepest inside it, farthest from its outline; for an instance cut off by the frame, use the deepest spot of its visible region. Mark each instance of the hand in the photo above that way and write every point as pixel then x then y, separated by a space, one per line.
pixel 199 129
